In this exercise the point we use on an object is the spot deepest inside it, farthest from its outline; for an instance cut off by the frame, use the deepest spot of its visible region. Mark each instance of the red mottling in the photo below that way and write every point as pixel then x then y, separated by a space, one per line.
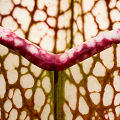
pixel 50 61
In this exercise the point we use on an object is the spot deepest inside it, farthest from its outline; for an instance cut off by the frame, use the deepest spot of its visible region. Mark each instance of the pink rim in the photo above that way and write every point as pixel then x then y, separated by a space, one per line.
pixel 50 61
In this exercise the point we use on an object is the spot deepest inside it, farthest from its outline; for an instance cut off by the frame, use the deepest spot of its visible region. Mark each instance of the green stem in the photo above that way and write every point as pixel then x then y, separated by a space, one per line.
pixel 57 95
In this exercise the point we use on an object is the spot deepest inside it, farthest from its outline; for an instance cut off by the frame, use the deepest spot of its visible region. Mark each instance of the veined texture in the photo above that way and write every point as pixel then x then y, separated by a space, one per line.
pixel 57 26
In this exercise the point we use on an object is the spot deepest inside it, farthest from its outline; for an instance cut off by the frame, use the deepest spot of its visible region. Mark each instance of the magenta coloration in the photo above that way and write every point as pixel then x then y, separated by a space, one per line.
pixel 50 61
pixel 30 51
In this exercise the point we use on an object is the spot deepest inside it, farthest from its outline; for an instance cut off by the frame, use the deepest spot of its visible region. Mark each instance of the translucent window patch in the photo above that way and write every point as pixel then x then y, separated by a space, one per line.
pixel 37 32
pixel 47 42
pixel 90 26
pixel 115 15
pixel 71 94
pixel 9 23
pixel 12 76
pixel 40 15
pixel 6 6
pixel 35 70
pixel 95 97
pixel 79 118
pixel 99 69
pixel 13 114
pixel 2 86
pixel 7 105
pixel 29 5
pixel 116 81
pixel 61 43
pixel 11 62
pixel 51 21
pixel 46 84
pixel 108 95
pixel 25 62
pixel 27 81
pixel 23 17
pixel 45 112
pixel 16 2
pixel 104 55
pixel 28 93
pixel 17 98
pixel 82 90
pixel 100 12
pixel 87 5
pixel 93 84
pixel 83 107
pixel 68 114
pixel 77 76
pixel 87 64
pixel 3 50
pixel 117 99
pixel 39 99
pixel 64 5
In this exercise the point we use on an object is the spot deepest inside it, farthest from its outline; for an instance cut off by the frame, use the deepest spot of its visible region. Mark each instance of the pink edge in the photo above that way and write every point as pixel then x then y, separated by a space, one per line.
pixel 50 61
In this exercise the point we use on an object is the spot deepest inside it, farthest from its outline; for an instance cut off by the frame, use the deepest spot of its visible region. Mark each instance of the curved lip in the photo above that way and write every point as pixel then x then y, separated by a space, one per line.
pixel 50 61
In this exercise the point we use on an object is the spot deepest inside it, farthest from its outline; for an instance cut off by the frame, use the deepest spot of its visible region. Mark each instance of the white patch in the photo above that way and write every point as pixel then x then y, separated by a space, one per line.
pixel 109 35
pixel 3 32
pixel 91 42
pixel 78 48
pixel 116 34
pixel 99 38
pixel 18 42
pixel 63 57
pixel 71 52
pixel 32 49
pixel 42 51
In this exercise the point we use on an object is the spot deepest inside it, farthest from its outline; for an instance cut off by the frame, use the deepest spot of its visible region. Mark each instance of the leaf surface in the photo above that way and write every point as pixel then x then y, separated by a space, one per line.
pixel 89 90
